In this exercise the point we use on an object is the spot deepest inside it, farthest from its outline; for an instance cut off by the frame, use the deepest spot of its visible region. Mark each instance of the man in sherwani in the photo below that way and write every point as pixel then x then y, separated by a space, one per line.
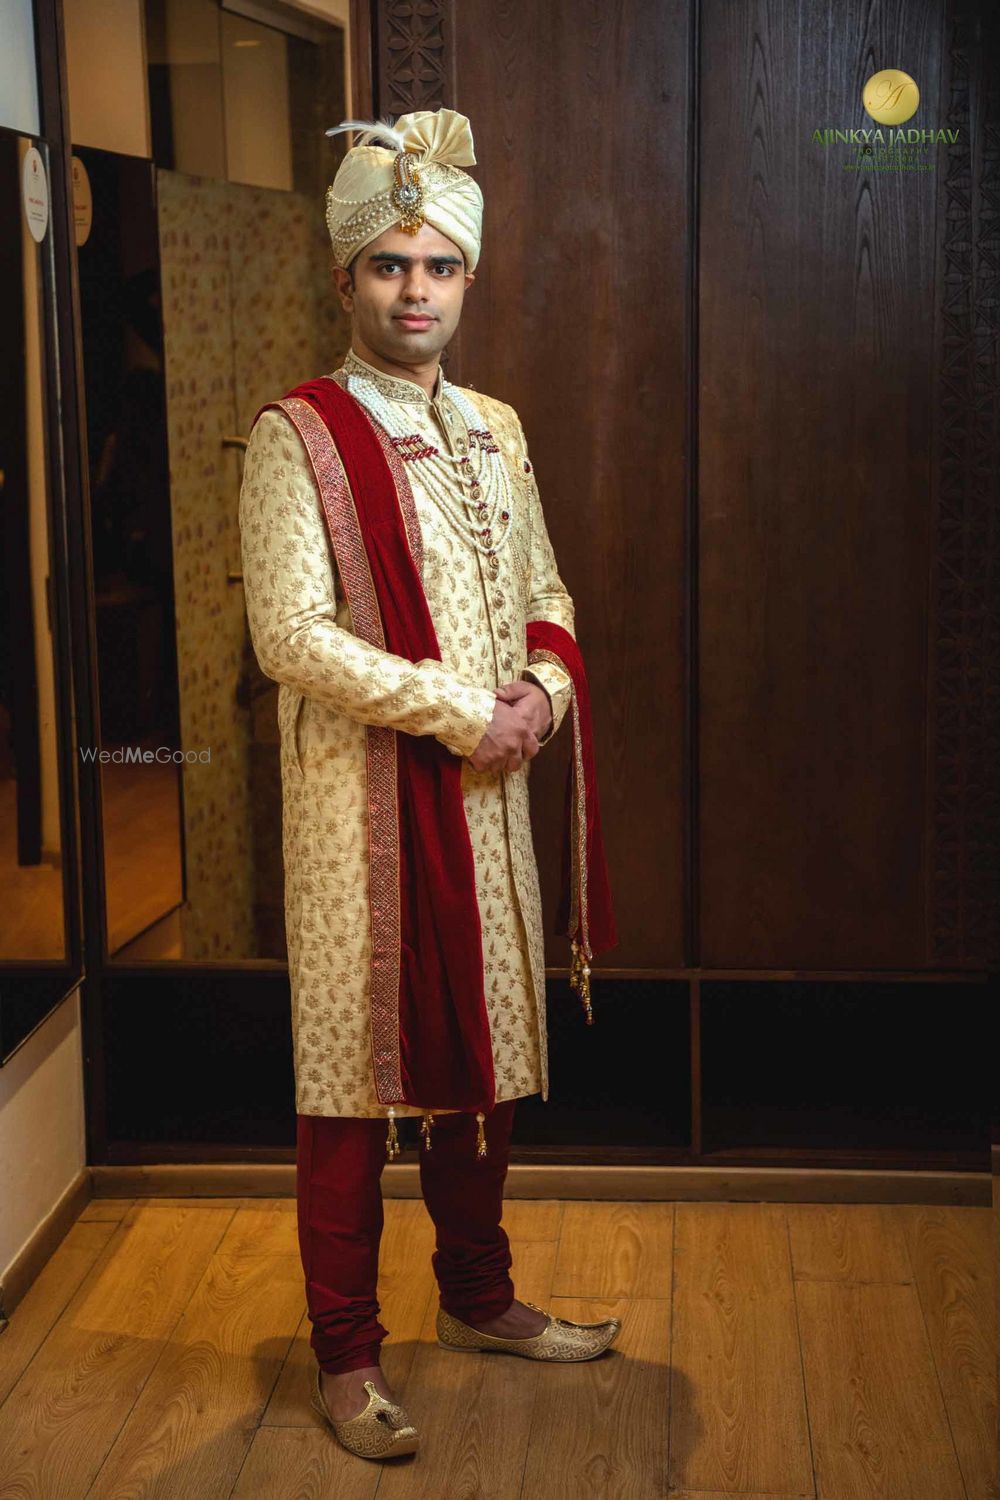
pixel 383 505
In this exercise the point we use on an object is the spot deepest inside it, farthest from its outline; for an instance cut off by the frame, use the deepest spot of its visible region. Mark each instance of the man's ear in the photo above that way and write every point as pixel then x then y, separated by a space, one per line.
pixel 470 277
pixel 343 284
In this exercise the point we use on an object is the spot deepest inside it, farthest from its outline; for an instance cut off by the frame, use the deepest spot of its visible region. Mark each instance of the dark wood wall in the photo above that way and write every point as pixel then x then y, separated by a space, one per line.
pixel 578 318
pixel 816 293
pixel 762 396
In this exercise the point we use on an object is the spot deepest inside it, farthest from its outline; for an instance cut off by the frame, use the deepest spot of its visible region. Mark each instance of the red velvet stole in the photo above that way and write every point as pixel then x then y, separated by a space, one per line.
pixel 431 1043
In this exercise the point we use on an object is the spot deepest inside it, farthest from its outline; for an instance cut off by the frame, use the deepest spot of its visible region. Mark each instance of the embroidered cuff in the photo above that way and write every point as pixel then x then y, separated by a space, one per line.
pixel 472 714
pixel 556 685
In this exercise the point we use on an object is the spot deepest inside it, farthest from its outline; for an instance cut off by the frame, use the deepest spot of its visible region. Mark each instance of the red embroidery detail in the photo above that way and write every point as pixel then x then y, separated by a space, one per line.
pixel 413 446
pixel 380 747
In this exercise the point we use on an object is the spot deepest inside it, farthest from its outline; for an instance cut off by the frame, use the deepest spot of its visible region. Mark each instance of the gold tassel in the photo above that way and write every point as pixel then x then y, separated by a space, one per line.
pixel 481 1134
pixel 425 1129
pixel 579 980
pixel 392 1136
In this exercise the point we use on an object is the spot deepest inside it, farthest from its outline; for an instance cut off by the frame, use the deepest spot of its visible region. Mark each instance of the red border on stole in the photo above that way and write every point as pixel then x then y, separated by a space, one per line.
pixel 380 749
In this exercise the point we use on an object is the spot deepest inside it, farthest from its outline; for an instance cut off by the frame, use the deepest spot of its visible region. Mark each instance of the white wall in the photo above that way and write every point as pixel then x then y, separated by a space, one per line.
pixel 18 73
pixel 42 1131
pixel 340 12
pixel 258 126
pixel 106 65
pixel 191 40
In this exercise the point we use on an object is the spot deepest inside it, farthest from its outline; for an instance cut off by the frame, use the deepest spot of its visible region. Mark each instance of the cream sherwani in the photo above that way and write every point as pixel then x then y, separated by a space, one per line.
pixel 332 684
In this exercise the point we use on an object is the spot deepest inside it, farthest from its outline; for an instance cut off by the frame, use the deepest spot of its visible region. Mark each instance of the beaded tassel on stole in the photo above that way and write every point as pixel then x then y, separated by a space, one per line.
pixel 579 978
pixel 426 1122
pixel 392 1136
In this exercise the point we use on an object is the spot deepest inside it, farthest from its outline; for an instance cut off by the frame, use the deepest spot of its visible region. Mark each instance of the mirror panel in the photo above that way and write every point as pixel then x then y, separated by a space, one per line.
pixel 32 922
pixel 40 943
pixel 205 291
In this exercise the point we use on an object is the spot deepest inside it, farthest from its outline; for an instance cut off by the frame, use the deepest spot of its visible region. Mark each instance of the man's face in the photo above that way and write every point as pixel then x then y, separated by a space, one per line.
pixel 407 295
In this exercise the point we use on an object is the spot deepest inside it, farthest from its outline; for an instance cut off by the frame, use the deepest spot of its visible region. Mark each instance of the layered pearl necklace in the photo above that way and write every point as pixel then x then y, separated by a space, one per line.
pixel 482 482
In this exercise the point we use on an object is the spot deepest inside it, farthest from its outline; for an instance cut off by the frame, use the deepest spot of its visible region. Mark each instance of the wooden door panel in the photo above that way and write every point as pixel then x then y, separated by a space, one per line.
pixel 816 319
pixel 577 318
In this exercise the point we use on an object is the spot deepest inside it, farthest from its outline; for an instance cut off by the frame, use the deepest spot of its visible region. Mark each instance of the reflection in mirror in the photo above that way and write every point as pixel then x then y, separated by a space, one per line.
pixel 205 292
pixel 32 924
pixel 131 545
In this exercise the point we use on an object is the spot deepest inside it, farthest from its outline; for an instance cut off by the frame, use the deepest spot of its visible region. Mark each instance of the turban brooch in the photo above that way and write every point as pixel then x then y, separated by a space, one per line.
pixel 414 178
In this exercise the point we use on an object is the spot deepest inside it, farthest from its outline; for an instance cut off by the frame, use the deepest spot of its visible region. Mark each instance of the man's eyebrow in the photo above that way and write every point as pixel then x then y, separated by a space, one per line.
pixel 407 260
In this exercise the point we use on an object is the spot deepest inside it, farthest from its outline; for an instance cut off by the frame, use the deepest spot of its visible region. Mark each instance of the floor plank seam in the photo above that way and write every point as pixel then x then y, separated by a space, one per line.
pixel 905 1222
pixel 243 1460
pixel 802 1363
pixel 670 1347
pixel 852 1281
pixel 534 1402
pixel 274 1383
pixel 937 1377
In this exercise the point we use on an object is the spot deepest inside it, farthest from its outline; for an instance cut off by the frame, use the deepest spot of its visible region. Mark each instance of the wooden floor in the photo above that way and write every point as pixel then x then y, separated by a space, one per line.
pixel 767 1350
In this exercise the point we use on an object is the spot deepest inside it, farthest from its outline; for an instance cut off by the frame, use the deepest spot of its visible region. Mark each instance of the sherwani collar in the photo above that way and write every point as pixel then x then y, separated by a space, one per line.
pixel 392 386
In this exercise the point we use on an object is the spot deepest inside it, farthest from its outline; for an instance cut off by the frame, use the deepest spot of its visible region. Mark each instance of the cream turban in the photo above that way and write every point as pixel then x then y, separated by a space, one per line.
pixel 416 178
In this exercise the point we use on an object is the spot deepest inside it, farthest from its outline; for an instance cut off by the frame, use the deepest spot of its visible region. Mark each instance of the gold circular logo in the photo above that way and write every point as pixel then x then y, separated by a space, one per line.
pixel 890 97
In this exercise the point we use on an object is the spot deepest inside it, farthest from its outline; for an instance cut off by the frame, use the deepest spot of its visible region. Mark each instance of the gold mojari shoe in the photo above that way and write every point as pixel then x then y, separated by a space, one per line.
pixel 559 1340
pixel 382 1430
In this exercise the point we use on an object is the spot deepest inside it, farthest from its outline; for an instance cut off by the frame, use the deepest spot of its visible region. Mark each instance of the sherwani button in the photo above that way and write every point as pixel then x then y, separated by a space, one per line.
pixel 503 628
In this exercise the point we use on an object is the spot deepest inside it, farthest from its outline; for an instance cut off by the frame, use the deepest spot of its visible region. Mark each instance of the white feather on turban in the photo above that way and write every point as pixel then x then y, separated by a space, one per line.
pixel 426 152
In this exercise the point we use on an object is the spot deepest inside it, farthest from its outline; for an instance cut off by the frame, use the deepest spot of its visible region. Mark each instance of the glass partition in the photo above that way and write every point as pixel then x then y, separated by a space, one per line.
pixel 205 290
pixel 36 854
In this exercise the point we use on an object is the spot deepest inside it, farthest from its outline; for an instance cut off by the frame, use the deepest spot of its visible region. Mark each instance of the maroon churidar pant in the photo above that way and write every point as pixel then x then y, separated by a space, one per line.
pixel 339 1161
